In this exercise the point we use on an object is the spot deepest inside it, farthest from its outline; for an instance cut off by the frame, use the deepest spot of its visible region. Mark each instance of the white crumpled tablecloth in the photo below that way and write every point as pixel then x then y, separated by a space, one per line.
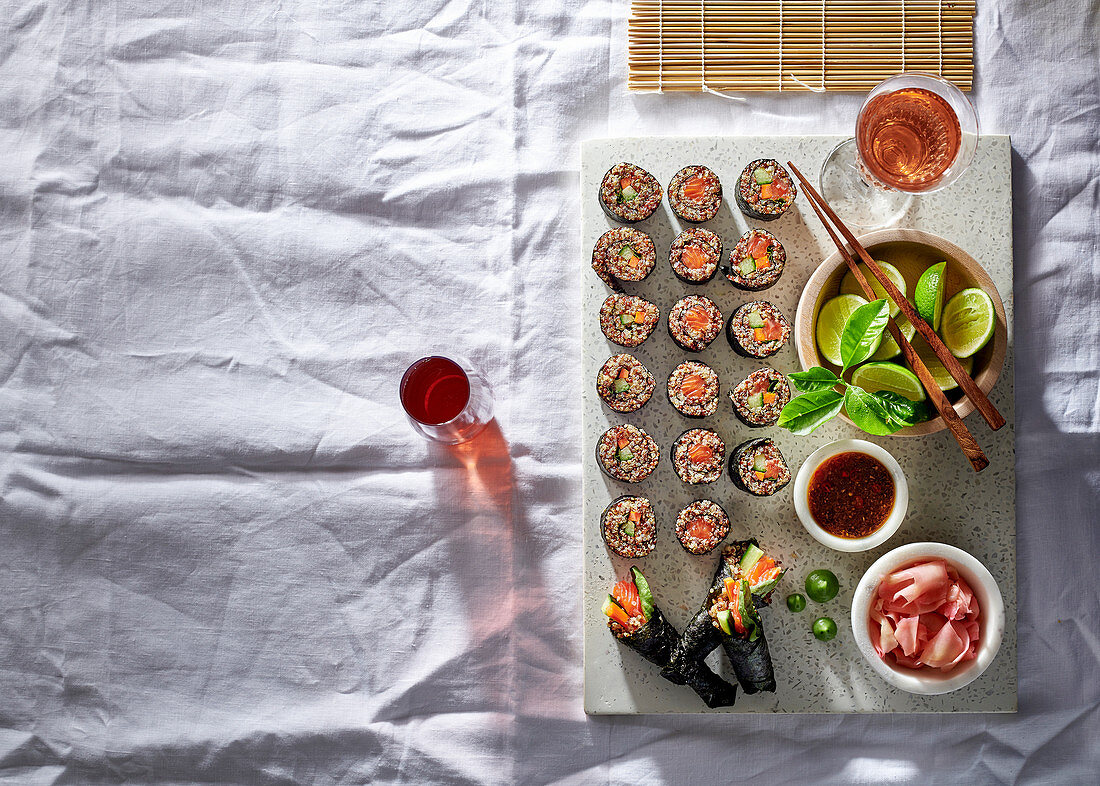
pixel 225 229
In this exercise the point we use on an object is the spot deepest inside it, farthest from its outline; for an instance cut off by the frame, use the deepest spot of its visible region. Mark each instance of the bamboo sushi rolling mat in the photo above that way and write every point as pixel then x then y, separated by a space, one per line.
pixel 818 45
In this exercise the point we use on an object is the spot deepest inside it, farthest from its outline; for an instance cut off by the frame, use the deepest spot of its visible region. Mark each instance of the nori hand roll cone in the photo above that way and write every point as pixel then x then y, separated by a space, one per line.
pixel 655 638
pixel 744 561
pixel 733 616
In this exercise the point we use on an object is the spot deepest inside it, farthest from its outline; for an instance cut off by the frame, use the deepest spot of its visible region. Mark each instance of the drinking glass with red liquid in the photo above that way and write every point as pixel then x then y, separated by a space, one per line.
pixel 916 133
pixel 446 399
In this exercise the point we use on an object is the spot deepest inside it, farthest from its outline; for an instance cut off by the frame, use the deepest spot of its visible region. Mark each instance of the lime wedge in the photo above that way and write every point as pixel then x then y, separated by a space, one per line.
pixel 889 348
pixel 939 373
pixel 830 324
pixel 874 377
pixel 849 286
pixel 929 294
pixel 968 322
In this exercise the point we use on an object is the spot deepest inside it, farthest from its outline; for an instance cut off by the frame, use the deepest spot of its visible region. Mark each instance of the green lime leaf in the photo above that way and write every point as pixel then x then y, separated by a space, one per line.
pixel 806 412
pixel 868 412
pixel 815 378
pixel 863 332
pixel 904 411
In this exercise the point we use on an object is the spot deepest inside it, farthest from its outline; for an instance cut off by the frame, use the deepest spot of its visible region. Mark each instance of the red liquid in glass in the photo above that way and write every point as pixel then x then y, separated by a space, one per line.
pixel 435 390
pixel 908 138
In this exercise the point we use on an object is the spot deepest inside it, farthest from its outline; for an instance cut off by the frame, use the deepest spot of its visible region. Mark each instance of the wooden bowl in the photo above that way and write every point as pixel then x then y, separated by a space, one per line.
pixel 911 251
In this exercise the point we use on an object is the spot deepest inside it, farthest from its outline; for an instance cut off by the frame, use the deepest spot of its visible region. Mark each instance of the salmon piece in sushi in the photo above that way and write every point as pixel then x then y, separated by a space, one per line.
pixel 695 194
pixel 694 322
pixel 695 255
pixel 693 389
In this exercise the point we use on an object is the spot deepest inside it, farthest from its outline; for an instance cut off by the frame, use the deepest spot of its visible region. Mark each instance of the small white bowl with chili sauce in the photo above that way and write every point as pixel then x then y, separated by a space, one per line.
pixel 991 618
pixel 851 495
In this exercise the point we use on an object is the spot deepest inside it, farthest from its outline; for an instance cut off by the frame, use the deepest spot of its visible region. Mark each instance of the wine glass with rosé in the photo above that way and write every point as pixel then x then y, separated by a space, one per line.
pixel 446 399
pixel 915 133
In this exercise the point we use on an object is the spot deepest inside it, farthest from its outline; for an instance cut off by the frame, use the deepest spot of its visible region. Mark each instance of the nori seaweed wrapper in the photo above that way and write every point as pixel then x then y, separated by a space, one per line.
pixel 751 660
pixel 712 689
pixel 752 663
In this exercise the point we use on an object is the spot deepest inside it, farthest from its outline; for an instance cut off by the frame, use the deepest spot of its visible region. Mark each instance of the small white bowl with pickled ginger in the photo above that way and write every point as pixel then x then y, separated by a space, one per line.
pixel 928 618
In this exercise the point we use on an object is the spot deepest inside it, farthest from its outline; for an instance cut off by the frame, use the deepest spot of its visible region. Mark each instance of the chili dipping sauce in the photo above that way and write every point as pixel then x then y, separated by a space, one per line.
pixel 851 495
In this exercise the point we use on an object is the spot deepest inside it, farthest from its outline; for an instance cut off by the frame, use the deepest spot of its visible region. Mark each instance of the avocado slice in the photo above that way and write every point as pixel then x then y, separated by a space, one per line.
pixel 725 622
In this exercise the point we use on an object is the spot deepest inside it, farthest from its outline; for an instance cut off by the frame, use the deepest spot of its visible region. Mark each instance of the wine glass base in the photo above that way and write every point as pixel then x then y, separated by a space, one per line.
pixel 857 202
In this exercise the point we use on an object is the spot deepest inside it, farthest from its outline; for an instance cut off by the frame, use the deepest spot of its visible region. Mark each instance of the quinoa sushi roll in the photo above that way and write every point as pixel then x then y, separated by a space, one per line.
pixel 694 322
pixel 695 194
pixel 693 389
pixel 623 254
pixel 757 330
pixel 624 383
pixel 628 193
pixel 635 620
pixel 765 190
pixel 627 320
pixel 756 262
pixel 698 456
pixel 760 397
pixel 627 453
pixel 695 255
pixel 758 467
pixel 629 527
pixel 701 526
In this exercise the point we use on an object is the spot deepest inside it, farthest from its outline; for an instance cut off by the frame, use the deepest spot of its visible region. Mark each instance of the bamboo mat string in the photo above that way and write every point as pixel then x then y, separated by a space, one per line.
pixel 661 46
pixel 703 54
pixel 791 75
pixel 939 33
pixel 781 46
pixel 903 15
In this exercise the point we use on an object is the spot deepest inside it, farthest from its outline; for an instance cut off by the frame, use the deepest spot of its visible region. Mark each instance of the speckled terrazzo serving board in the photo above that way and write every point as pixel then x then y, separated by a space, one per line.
pixel 948 501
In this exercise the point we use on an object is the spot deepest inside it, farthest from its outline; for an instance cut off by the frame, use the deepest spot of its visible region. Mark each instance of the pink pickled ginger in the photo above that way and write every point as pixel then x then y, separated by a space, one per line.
pixel 925 616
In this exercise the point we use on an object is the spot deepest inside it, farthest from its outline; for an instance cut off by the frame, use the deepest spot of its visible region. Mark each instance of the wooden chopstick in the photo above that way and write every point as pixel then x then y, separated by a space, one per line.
pixel 949 361
pixel 958 429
